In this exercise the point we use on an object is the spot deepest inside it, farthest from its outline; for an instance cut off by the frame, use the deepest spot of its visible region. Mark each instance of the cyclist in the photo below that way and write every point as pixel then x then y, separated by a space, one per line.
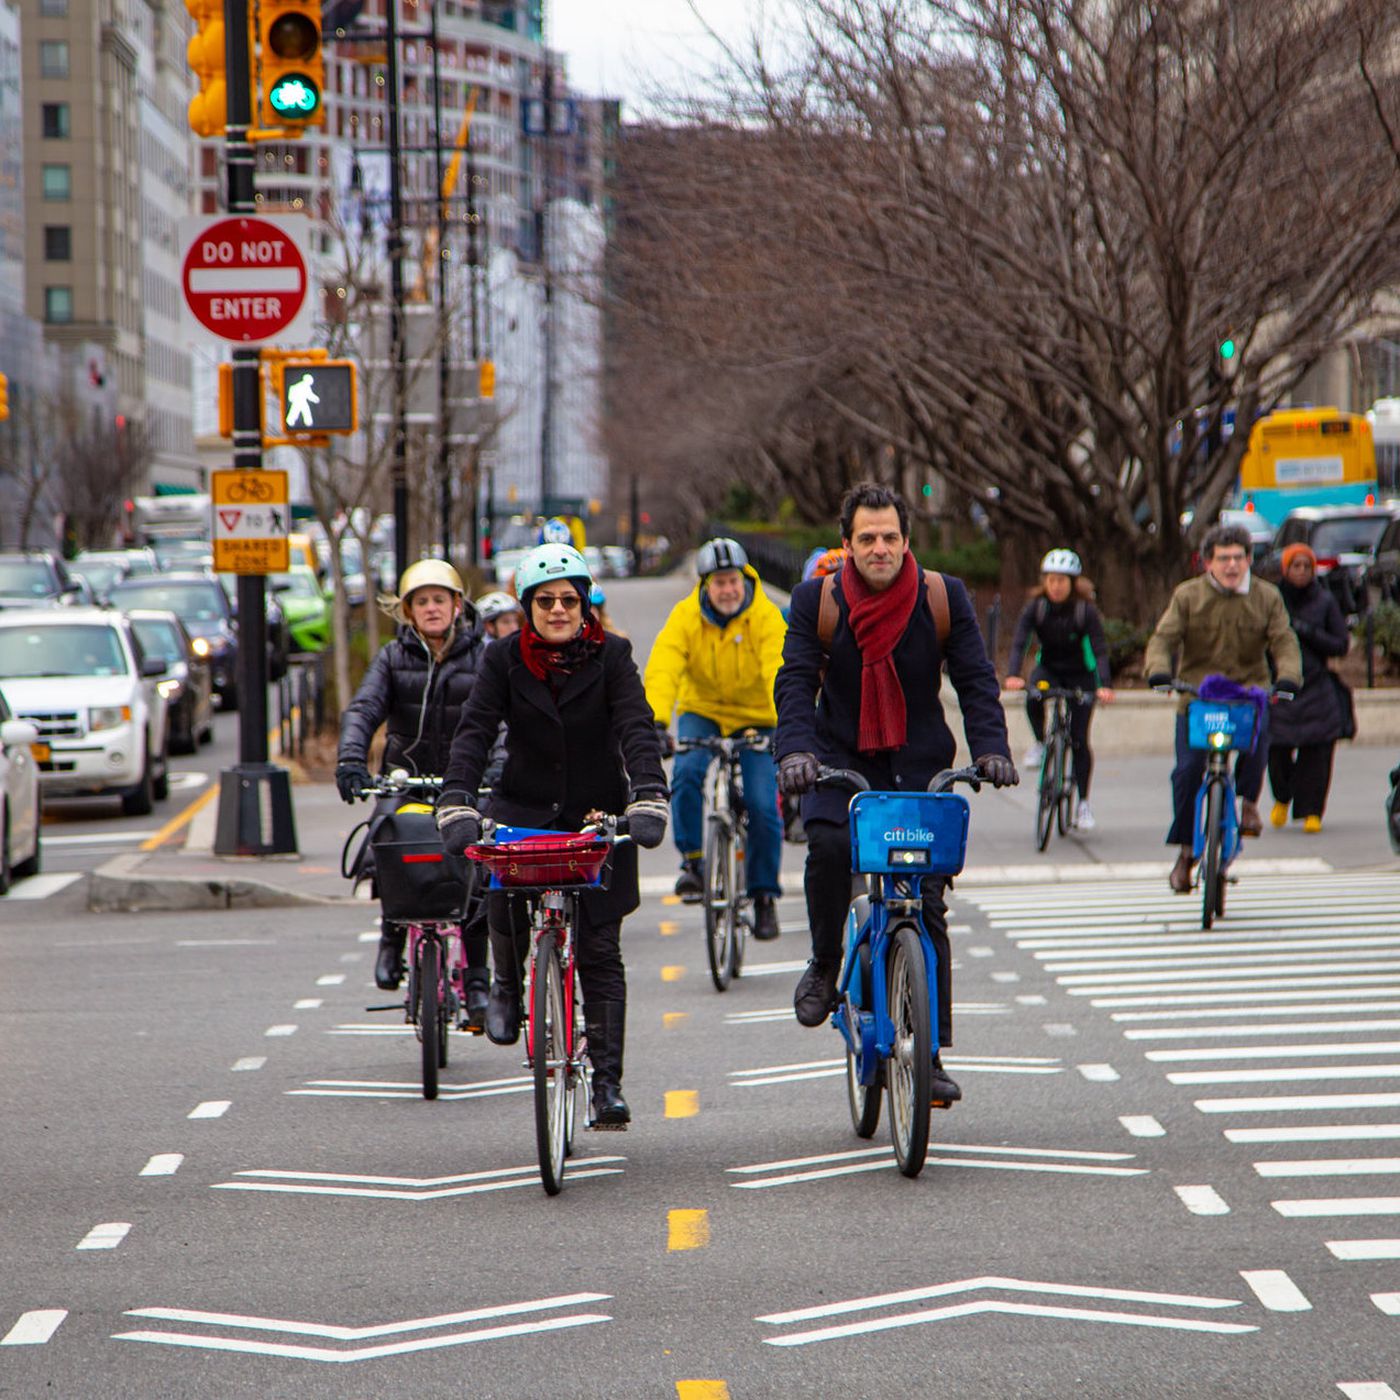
pixel 500 615
pixel 868 699
pixel 579 739
pixel 417 684
pixel 1223 622
pixel 713 664
pixel 1073 655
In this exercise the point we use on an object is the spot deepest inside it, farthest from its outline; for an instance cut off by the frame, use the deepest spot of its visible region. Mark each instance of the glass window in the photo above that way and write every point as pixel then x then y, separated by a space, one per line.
pixel 58 243
pixel 58 181
pixel 58 305
pixel 53 9
pixel 61 651
pixel 1355 535
pixel 26 578
pixel 160 639
pixel 53 58
pixel 57 123
pixel 190 602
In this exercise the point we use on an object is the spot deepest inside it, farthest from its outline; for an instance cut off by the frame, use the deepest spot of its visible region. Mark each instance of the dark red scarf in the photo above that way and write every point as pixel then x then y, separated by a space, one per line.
pixel 877 622
pixel 549 662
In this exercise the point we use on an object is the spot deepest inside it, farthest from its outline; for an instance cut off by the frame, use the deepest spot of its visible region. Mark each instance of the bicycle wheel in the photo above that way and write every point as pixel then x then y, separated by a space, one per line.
pixel 719 902
pixel 738 877
pixel 1045 805
pixel 430 1027
pixel 576 1110
pixel 1211 874
pixel 549 1062
pixel 1064 793
pixel 864 1099
pixel 910 1070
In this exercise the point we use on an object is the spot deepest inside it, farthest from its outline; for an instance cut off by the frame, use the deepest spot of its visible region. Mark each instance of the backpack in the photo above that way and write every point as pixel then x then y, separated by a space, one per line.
pixel 1081 628
pixel 935 594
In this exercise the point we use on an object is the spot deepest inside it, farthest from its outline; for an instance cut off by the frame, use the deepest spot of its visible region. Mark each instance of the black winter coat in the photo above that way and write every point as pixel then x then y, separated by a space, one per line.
pixel 823 717
pixel 1063 641
pixel 595 746
pixel 1314 715
pixel 421 699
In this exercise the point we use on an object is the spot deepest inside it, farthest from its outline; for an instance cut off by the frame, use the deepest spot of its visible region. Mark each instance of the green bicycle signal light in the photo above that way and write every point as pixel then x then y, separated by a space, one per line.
pixel 291 63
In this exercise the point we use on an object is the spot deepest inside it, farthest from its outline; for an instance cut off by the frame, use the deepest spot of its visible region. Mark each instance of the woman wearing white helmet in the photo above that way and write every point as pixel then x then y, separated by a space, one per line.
pixel 500 614
pixel 579 739
pixel 417 685
pixel 1072 655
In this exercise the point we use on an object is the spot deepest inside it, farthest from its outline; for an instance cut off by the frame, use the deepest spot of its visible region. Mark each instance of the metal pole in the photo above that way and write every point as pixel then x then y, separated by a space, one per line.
pixel 444 321
pixel 546 181
pixel 473 265
pixel 396 317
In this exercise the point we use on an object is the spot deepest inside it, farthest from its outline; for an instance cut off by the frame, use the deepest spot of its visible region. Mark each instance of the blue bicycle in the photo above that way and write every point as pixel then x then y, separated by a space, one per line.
pixel 887 1009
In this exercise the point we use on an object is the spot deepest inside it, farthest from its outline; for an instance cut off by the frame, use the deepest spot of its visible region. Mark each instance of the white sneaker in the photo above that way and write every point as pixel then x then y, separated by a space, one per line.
pixel 1033 755
pixel 1083 817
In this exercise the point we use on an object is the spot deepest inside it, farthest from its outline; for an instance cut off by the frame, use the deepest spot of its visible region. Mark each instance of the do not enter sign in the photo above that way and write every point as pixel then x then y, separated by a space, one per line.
pixel 245 278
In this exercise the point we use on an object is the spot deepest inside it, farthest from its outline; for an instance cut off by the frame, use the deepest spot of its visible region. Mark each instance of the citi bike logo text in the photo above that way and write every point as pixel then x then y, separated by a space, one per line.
pixel 911 835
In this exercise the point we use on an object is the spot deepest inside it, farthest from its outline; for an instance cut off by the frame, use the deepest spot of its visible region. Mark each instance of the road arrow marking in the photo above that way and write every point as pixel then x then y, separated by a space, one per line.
pixel 408 1188
pixel 410 1089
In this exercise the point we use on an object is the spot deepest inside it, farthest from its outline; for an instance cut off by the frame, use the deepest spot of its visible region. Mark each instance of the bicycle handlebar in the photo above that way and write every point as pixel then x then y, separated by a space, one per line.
pixel 943 781
pixel 397 781
pixel 725 744
pixel 1058 692
pixel 1180 687
pixel 611 828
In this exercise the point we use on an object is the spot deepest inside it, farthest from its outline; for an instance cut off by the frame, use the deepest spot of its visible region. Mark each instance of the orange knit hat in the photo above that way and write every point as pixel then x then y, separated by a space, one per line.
pixel 1295 551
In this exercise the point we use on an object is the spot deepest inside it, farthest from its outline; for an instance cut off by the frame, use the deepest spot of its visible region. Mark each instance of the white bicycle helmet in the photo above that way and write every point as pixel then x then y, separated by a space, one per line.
pixel 1062 561
pixel 547 562
pixel 493 605
pixel 717 554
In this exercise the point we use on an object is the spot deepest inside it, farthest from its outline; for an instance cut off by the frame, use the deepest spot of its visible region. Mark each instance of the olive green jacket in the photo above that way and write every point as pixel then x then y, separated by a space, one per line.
pixel 1208 632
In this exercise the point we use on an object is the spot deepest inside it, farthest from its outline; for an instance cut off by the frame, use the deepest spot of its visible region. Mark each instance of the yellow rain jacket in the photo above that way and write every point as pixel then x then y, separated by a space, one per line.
pixel 724 673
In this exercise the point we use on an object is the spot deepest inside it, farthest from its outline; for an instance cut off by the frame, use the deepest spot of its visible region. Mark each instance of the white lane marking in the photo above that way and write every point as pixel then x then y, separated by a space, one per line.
pixel 1275 1076
pixel 308 1004
pixel 1059 1028
pixel 1143 1125
pixel 211 1108
pixel 1388 1303
pixel 163 1164
pixel 351 957
pixel 34 1328
pixel 1006 977
pixel 1274 1052
pixel 42 886
pixel 1202 1200
pixel 1276 1290
pixel 770 1014
pixel 829 1069
pixel 1364 1249
pixel 280 1030
pixel 1168 953
pixel 1277 1028
pixel 886 1162
pixel 97 838
pixel 1025 999
pixel 249 1062
pixel 1281 972
pixel 1126 994
pixel 405 1188
pixel 864 1153
pixel 1098 1074
pixel 1250 1004
pixel 979 952
pixel 106 1236
pixel 369 936
pixel 331 979
pixel 773 969
pixel 1288 1103
pixel 1331 1166
pixel 1367 1390
pixel 1332 1132
pixel 410 1089
pixel 1337 1205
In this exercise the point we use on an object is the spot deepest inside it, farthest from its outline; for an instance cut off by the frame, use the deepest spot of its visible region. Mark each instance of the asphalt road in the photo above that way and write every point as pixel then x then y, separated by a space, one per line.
pixel 1172 1175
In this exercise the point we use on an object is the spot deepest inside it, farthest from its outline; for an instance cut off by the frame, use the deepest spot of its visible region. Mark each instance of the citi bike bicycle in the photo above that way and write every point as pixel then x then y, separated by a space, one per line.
pixel 728 909
pixel 887 1011
pixel 1055 801
pixel 427 891
pixel 550 869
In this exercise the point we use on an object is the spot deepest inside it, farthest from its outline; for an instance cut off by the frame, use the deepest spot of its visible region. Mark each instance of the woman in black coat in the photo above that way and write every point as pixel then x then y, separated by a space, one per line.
pixel 580 738
pixel 1304 731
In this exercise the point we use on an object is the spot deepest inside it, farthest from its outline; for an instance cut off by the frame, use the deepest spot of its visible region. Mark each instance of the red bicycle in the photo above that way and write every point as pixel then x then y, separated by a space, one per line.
pixel 550 869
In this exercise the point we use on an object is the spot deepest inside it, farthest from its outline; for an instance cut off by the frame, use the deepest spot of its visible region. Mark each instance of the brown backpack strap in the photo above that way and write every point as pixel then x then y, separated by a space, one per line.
pixel 937 593
pixel 827 613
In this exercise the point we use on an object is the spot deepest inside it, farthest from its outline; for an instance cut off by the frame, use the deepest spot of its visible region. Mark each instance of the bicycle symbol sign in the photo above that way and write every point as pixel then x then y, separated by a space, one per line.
pixel 251 519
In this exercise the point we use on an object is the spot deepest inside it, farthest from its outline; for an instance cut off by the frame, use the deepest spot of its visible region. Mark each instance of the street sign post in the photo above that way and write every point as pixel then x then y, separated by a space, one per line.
pixel 251 517
pixel 245 278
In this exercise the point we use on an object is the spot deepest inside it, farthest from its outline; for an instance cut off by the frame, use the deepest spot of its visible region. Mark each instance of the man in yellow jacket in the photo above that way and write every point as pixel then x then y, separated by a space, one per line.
pixel 713 666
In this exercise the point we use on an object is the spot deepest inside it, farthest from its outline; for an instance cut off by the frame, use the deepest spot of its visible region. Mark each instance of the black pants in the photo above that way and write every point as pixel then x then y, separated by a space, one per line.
pixel 598 948
pixel 1301 776
pixel 827 883
pixel 1079 717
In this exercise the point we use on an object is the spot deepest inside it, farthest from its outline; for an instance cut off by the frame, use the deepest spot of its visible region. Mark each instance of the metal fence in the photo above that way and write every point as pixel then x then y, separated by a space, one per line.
pixel 301 702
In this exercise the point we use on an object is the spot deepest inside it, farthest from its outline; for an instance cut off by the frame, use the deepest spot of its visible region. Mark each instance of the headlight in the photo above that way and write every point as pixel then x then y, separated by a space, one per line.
pixel 108 716
pixel 168 688
pixel 200 646
pixel 1219 740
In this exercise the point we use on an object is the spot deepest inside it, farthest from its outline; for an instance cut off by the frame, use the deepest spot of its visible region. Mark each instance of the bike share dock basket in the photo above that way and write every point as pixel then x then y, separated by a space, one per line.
pixel 416 879
pixel 908 833
pixel 527 858
pixel 1220 724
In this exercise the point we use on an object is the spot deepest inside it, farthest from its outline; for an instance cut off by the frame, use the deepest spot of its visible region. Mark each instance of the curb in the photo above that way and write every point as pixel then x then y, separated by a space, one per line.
pixel 119 887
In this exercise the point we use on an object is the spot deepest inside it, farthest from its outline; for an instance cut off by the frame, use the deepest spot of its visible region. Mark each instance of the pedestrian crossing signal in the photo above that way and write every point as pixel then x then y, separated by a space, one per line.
pixel 318 396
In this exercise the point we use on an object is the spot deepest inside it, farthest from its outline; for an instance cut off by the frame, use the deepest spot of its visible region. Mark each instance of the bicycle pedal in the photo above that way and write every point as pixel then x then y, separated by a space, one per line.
pixel 607 1127
pixel 940 1103
pixel 692 899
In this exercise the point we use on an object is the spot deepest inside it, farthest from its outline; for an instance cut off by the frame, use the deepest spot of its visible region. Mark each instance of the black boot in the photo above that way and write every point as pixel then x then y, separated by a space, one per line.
pixel 605 1023
pixel 388 965
pixel 475 997
pixel 503 1013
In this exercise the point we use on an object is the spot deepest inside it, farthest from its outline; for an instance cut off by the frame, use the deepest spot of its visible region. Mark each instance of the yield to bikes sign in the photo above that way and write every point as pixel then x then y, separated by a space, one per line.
pixel 245 278
pixel 250 522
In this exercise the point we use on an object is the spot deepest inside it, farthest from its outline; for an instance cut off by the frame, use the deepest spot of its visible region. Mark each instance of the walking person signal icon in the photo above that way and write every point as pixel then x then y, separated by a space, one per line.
pixel 319 397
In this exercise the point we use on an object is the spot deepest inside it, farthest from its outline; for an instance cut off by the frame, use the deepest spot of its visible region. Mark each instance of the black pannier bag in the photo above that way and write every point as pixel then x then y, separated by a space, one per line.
pixel 417 881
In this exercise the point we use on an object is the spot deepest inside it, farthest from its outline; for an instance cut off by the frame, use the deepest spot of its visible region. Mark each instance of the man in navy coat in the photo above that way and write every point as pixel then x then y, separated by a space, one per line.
pixel 870 702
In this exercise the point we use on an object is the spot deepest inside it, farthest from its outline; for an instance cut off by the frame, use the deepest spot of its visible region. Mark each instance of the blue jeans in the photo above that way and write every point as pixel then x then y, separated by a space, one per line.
pixel 1190 769
pixel 760 775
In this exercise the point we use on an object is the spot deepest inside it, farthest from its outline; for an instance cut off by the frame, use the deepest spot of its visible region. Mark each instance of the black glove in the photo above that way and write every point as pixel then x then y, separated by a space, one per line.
pixel 998 770
pixel 459 828
pixel 1287 685
pixel 797 773
pixel 349 779
pixel 668 742
pixel 646 820
pixel 1160 680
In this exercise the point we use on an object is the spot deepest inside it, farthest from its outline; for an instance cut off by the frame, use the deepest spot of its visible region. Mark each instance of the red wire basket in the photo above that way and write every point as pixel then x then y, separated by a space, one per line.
pixel 547 861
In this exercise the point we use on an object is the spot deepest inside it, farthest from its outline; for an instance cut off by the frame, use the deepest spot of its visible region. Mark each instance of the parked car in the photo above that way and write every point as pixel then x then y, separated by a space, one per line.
pixel 279 644
pixel 203 606
pixel 187 684
pixel 618 559
pixel 1261 532
pixel 19 798
pixel 1344 539
pixel 38 578
pixel 308 615
pixel 178 555
pixel 1383 580
pixel 102 568
pixel 81 678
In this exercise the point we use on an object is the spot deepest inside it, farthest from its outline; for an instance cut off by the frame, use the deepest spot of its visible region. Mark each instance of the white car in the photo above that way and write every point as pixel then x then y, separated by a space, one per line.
pixel 19 798
pixel 80 677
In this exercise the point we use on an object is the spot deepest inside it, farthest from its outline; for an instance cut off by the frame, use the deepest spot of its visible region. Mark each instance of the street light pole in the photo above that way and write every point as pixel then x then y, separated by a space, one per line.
pixel 396 316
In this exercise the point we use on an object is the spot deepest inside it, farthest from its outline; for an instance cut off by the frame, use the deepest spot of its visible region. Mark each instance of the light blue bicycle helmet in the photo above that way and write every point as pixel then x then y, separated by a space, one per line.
pixel 547 563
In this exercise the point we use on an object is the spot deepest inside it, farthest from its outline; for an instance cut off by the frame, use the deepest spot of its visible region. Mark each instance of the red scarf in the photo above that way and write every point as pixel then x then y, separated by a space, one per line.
pixel 542 658
pixel 878 621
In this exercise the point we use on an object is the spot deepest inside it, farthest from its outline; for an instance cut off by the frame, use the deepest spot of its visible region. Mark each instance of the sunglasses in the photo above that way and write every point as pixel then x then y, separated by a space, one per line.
pixel 547 602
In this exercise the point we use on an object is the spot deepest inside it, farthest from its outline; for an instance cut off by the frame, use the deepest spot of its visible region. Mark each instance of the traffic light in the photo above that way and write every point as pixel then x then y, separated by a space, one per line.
pixel 1227 355
pixel 318 396
pixel 208 109
pixel 4 398
pixel 291 64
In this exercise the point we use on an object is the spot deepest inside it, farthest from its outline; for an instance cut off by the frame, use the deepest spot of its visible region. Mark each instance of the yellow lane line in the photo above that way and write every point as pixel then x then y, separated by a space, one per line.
pixel 687 1229
pixel 682 1103
pixel 181 819
pixel 673 1018
pixel 668 927
pixel 672 973
pixel 670 899
pixel 701 1390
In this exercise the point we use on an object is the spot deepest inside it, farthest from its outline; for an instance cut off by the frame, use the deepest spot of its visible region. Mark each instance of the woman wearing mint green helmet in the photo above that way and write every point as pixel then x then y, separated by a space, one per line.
pixel 579 738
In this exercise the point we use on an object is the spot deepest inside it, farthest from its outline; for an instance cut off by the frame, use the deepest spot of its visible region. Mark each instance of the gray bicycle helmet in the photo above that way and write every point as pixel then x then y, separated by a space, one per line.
pixel 493 605
pixel 718 554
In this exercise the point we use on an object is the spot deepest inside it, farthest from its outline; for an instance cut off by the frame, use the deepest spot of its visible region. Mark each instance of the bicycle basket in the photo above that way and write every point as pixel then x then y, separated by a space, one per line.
pixel 1219 725
pixel 908 833
pixel 417 880
pixel 544 860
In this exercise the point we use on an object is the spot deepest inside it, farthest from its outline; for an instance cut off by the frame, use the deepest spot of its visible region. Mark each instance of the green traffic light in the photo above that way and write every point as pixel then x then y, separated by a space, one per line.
pixel 1227 348
pixel 295 96
pixel 926 489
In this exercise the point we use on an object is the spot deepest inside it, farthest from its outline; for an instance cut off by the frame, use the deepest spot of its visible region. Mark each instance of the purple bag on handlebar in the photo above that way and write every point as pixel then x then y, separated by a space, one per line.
pixel 1223 690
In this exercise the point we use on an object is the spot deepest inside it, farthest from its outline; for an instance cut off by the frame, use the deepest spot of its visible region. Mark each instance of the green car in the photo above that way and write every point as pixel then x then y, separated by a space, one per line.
pixel 305 608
